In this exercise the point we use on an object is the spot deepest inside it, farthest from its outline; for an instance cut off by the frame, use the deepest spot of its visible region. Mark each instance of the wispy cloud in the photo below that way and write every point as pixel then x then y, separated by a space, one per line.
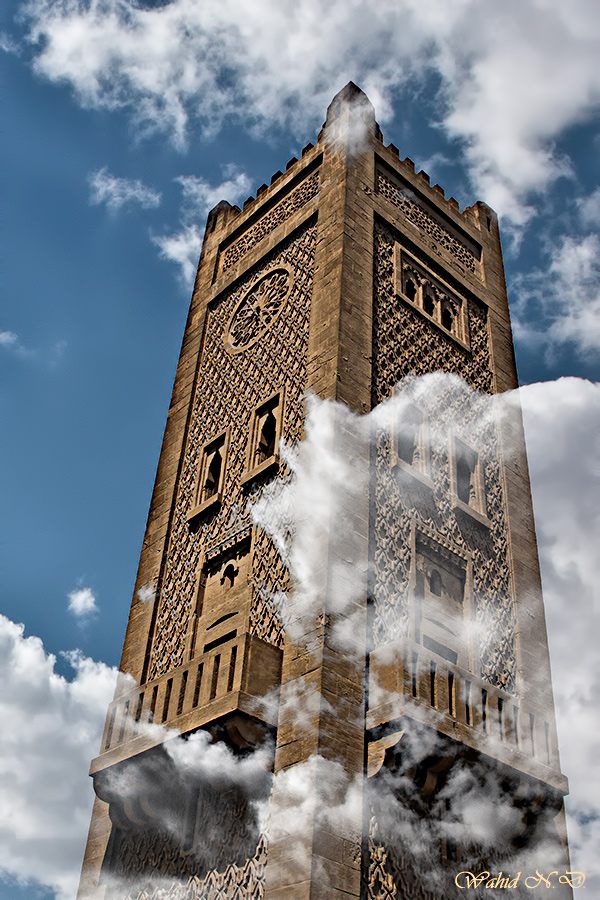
pixel 50 357
pixel 82 602
pixel 119 192
pixel 8 44
pixel 199 197
pixel 589 208
pixel 9 339
pixel 560 304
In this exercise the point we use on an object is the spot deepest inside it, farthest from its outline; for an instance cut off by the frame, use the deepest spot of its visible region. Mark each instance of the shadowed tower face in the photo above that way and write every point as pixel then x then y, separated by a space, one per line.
pixel 361 676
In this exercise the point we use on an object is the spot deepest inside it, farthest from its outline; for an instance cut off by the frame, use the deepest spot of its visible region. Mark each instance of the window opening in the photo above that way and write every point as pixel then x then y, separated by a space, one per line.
pixel 451 697
pixel 111 725
pixel 435 583
pixel 153 702
pixel 468 475
pixel 138 712
pixel 213 475
pixel 465 486
pixel 232 662
pixel 501 717
pixel 410 438
pixel 220 640
pixel 432 685
pixel 229 575
pixel 210 476
pixel 265 428
pixel 182 690
pixel 123 722
pixel 198 685
pixel 428 303
pixel 484 699
pixel 468 713
pixel 447 318
pixel 413 677
pixel 165 711
pixel 221 620
pixel 410 290
pixel 215 677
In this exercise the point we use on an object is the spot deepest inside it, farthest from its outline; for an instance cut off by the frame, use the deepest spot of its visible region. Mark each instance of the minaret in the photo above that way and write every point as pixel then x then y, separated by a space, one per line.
pixel 346 274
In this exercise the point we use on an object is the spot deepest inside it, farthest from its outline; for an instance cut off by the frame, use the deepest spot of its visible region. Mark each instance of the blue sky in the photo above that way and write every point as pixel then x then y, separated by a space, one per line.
pixel 123 124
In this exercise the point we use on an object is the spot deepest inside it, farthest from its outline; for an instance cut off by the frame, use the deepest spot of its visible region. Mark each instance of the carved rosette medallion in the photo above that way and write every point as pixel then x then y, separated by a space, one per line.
pixel 258 309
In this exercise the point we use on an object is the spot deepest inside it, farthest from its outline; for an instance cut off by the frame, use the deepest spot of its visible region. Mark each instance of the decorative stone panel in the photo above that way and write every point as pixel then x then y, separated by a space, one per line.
pixel 230 387
pixel 280 213
pixel 406 343
pixel 462 256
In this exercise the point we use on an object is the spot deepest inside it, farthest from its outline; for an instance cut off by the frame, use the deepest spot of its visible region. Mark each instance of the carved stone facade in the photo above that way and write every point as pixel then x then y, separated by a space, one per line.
pixel 296 199
pixel 461 255
pixel 409 343
pixel 229 387
pixel 351 278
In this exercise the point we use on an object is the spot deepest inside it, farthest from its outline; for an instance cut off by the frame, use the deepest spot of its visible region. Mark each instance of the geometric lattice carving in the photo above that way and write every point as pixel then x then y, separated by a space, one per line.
pixel 235 882
pixel 227 854
pixel 230 387
pixel 408 343
pixel 460 254
pixel 265 225
pixel 380 884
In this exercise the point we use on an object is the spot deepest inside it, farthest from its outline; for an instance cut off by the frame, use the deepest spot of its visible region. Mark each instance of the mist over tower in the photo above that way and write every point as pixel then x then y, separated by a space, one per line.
pixel 364 663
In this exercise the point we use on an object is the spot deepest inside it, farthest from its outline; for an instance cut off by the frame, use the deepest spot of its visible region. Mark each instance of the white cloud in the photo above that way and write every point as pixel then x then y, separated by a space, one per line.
pixel 8 44
pixel 182 247
pixel 50 357
pixel 51 728
pixel 513 75
pixel 82 602
pixel 199 197
pixel 589 208
pixel 562 420
pixel 12 343
pixel 118 192
pixel 561 304
pixel 8 339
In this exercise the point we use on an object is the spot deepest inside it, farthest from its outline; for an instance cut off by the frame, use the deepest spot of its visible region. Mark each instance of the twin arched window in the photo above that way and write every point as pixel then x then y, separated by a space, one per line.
pixel 431 300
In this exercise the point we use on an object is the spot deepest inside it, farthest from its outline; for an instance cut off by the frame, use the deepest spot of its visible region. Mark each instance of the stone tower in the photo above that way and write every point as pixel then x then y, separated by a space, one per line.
pixel 346 274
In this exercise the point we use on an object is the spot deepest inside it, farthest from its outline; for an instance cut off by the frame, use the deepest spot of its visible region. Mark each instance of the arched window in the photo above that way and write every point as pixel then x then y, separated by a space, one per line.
pixel 469 479
pixel 435 583
pixel 209 484
pixel 428 303
pixel 263 439
pixel 447 317
pixel 410 438
pixel 213 475
pixel 464 480
pixel 229 575
pixel 410 290
pixel 265 447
